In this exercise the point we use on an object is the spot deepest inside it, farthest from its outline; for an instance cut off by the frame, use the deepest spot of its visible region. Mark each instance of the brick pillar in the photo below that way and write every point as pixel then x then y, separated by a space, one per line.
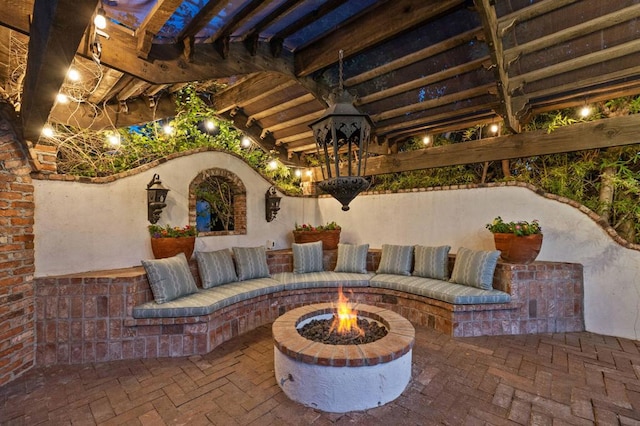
pixel 17 322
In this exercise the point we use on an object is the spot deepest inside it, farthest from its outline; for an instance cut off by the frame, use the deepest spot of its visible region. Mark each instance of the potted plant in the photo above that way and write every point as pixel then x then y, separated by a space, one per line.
pixel 167 241
pixel 329 234
pixel 518 242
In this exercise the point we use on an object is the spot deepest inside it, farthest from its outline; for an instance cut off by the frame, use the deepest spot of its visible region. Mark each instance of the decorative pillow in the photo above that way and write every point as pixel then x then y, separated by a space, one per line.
pixel 307 257
pixel 352 258
pixel 216 267
pixel 432 262
pixel 251 262
pixel 475 268
pixel 169 278
pixel 395 260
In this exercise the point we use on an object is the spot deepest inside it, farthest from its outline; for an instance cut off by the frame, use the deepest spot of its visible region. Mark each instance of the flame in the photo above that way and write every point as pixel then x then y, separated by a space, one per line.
pixel 345 320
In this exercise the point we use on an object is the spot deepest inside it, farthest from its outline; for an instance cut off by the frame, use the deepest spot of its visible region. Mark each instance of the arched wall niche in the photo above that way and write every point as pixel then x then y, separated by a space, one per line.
pixel 239 194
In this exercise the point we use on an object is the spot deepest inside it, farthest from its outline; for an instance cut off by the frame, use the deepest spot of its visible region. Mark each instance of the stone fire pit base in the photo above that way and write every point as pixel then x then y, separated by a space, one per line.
pixel 342 378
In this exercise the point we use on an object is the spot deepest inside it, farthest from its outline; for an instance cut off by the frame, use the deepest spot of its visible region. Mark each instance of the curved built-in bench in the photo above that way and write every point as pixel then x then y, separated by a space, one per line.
pixel 90 317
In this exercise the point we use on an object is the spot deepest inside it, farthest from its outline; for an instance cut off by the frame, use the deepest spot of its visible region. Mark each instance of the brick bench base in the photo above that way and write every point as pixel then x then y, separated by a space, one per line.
pixel 84 318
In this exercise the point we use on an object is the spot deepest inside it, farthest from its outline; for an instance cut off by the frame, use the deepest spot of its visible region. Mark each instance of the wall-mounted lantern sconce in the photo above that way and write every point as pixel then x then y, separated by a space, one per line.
pixel 272 204
pixel 156 196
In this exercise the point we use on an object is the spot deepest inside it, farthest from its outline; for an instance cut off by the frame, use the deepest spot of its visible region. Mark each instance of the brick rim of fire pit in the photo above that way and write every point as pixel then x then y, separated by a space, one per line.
pixel 398 341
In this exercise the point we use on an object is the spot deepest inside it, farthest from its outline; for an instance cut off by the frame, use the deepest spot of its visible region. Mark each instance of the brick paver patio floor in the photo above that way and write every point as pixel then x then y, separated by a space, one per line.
pixel 560 379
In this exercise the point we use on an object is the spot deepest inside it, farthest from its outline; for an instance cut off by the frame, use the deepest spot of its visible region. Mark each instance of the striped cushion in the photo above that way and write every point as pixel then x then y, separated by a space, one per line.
pixel 208 300
pixel 432 262
pixel 352 258
pixel 251 262
pixel 475 267
pixel 307 257
pixel 169 278
pixel 395 260
pixel 293 281
pixel 441 290
pixel 216 268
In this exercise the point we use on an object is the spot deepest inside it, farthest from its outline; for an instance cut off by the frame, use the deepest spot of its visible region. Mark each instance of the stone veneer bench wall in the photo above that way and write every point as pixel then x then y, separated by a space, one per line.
pixel 87 317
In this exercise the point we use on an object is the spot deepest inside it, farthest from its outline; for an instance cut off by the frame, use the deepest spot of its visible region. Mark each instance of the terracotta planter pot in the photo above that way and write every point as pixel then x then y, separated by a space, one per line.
pixel 516 249
pixel 168 247
pixel 330 239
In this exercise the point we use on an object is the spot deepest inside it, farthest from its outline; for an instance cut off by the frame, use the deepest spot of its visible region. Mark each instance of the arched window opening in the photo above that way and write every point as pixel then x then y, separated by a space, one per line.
pixel 217 203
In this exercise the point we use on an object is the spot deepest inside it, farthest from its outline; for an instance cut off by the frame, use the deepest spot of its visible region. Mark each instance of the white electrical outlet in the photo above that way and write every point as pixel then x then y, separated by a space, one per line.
pixel 271 245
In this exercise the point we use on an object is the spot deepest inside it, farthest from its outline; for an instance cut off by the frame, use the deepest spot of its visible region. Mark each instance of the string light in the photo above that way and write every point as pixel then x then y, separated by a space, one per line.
pixel 494 128
pixel 298 173
pixel 167 129
pixel 100 20
pixel 73 74
pixel 61 98
pixel 585 111
pixel 273 164
pixel 210 125
pixel 426 140
pixel 246 142
pixel 47 131
pixel 114 140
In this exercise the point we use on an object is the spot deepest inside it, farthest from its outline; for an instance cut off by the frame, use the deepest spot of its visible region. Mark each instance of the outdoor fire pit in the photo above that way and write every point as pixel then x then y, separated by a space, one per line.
pixel 342 377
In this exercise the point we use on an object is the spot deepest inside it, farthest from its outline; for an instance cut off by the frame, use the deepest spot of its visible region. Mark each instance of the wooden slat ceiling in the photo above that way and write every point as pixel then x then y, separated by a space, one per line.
pixel 415 66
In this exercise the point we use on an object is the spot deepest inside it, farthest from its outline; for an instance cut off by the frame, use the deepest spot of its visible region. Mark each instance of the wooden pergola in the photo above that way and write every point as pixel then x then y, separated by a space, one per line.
pixel 416 67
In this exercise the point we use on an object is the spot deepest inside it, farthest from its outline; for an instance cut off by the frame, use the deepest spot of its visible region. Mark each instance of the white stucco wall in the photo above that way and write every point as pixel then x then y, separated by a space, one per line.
pixel 84 227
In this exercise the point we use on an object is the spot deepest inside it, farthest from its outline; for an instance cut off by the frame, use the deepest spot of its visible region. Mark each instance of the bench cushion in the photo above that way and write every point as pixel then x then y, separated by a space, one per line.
pixel 445 291
pixel 206 301
pixel 294 281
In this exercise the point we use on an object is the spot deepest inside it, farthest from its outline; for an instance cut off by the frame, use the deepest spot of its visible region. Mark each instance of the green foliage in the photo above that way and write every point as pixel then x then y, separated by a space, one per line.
pixel 86 153
pixel 168 231
pixel 520 228
pixel 331 226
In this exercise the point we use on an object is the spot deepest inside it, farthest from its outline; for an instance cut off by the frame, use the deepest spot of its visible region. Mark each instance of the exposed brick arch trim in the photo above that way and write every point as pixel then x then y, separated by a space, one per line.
pixel 239 200
pixel 17 306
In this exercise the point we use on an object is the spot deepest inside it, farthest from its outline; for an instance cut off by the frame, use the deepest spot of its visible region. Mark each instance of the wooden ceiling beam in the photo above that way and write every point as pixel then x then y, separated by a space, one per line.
pixel 209 11
pixel 256 87
pixel 618 51
pixel 414 57
pixel 107 82
pixel 251 38
pixel 282 107
pixel 153 23
pixel 597 24
pixel 56 32
pixel 278 39
pixel 399 15
pixel 304 119
pixel 489 21
pixel 540 8
pixel 605 133
pixel 297 137
pixel 265 140
pixel 425 81
pixel 433 103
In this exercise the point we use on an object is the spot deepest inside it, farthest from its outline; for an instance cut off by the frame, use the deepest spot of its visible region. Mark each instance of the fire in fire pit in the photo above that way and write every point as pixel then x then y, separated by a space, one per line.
pixel 342 377
pixel 345 328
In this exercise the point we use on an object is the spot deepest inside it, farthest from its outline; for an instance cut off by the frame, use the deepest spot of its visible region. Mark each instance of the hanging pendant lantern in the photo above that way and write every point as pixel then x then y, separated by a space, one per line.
pixel 342 140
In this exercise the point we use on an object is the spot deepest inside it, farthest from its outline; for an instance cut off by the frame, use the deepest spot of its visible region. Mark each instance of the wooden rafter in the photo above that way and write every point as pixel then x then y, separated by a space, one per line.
pixel 282 107
pixel 251 38
pixel 153 23
pixel 494 41
pixel 609 132
pixel 51 47
pixel 257 86
pixel 399 15
pixel 537 9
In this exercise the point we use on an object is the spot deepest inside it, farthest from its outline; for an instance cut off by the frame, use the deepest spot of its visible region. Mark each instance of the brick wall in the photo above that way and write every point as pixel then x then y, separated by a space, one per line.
pixel 17 322
pixel 87 317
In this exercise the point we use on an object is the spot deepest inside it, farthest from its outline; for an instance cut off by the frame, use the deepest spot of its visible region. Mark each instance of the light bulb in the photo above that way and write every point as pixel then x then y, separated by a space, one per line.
pixel 298 173
pixel 114 140
pixel 167 129
pixel 61 98
pixel 210 125
pixel 273 164
pixel 585 112
pixel 494 128
pixel 73 74
pixel 246 142
pixel 100 21
pixel 426 140
pixel 309 173
pixel 47 131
